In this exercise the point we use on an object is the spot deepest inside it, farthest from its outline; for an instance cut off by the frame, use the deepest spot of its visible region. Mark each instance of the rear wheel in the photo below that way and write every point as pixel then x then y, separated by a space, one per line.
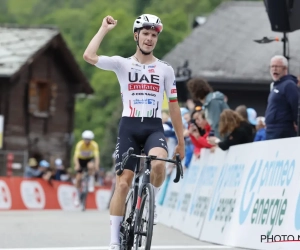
pixel 144 220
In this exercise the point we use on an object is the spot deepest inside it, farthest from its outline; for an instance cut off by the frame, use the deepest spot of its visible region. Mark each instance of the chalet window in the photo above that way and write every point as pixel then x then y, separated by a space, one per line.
pixel 42 95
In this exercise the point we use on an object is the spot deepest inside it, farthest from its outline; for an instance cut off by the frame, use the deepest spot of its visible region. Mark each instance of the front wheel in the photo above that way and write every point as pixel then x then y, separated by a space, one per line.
pixel 84 191
pixel 144 220
pixel 126 231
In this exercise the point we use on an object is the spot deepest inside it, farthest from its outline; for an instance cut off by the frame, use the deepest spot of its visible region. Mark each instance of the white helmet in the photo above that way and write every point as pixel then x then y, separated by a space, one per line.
pixel 148 21
pixel 88 134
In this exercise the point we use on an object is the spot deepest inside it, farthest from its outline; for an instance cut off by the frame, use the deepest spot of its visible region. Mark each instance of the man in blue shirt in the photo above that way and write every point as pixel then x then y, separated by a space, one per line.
pixel 282 109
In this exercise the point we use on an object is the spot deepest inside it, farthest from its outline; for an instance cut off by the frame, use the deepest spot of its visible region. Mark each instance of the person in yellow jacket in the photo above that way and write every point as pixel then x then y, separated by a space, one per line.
pixel 86 157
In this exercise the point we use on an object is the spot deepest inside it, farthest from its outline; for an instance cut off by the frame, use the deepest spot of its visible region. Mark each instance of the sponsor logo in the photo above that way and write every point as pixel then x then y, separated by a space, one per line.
pixel 102 199
pixel 144 101
pixel 66 195
pixel 258 207
pixel 147 94
pixel 173 91
pixel 33 195
pixel 5 196
pixel 151 66
pixel 161 139
pixel 86 153
pixel 136 70
pixel 174 83
pixel 143 86
pixel 137 78
pixel 151 71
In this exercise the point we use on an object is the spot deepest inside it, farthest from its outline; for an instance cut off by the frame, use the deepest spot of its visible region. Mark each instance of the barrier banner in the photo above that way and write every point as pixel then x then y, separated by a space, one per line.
pixel 257 198
pixel 17 193
pixel 223 198
pixel 170 200
pixel 209 168
pixel 186 190
pixel 268 208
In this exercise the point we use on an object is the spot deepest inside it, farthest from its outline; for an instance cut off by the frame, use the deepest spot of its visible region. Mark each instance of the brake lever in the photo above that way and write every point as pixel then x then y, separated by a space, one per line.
pixel 125 158
pixel 179 170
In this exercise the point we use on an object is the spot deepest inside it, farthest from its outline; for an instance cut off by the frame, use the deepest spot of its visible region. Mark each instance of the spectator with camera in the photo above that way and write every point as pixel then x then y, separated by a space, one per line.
pixel 199 130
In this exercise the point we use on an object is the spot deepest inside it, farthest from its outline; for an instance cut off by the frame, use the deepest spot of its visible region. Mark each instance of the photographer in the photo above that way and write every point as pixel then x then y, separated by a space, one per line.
pixel 198 131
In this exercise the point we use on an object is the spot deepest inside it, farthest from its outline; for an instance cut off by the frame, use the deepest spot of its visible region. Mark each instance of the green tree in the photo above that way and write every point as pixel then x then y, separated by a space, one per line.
pixel 78 21
pixel 140 5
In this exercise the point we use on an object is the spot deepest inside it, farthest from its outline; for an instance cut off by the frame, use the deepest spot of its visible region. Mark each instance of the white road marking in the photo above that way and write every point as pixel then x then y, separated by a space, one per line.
pixel 106 248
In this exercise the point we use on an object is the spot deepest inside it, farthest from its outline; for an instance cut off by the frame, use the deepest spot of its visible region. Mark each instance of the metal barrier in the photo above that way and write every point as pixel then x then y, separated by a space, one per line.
pixel 12 163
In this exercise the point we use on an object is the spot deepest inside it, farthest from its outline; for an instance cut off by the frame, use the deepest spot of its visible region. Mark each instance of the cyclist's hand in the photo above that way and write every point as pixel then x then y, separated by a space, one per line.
pixel 109 23
pixel 180 149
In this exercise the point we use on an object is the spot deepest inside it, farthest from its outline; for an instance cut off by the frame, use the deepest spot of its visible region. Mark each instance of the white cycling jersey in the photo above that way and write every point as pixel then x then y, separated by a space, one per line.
pixel 142 85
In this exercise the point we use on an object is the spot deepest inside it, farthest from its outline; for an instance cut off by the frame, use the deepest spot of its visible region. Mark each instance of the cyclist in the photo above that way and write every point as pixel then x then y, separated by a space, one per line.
pixel 143 79
pixel 86 156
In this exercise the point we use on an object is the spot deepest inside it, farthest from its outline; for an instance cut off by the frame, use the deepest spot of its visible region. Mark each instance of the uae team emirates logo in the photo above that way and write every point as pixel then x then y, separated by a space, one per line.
pixel 143 86
pixel 143 82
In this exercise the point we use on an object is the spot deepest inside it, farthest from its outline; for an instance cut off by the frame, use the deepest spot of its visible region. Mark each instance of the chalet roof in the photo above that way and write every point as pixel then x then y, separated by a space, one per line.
pixel 20 45
pixel 223 50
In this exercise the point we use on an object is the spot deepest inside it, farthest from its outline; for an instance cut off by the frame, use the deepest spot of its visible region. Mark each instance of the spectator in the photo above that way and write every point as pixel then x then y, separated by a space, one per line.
pixel 190 104
pixel 32 170
pixel 251 115
pixel 169 133
pixel 242 111
pixel 199 140
pixel 213 102
pixel 282 108
pixel 61 174
pixel 189 147
pixel 44 166
pixel 238 130
pixel 186 116
pixel 195 117
pixel 261 129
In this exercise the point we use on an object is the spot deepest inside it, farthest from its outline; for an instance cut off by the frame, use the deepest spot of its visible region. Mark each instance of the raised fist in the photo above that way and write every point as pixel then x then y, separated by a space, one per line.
pixel 109 23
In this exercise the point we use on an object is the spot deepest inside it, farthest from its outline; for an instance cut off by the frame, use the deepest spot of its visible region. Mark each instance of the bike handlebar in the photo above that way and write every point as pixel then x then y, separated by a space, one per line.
pixel 177 162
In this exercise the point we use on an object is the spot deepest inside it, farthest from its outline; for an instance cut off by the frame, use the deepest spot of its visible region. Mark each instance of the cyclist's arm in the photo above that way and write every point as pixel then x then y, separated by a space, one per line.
pixel 97 156
pixel 76 154
pixel 174 110
pixel 90 54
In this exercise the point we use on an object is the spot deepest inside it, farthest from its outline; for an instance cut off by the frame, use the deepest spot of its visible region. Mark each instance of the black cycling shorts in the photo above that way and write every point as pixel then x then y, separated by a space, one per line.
pixel 138 135
pixel 83 164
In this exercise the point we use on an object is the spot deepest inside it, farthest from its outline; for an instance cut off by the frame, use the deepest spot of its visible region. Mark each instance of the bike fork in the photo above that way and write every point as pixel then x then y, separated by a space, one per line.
pixel 146 180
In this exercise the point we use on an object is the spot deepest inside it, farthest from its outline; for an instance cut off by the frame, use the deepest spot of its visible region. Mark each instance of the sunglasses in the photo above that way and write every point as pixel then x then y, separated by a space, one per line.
pixel 155 26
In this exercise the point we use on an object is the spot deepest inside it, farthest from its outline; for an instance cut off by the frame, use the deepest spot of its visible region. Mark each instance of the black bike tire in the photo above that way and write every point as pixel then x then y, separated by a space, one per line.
pixel 128 199
pixel 151 204
pixel 84 193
